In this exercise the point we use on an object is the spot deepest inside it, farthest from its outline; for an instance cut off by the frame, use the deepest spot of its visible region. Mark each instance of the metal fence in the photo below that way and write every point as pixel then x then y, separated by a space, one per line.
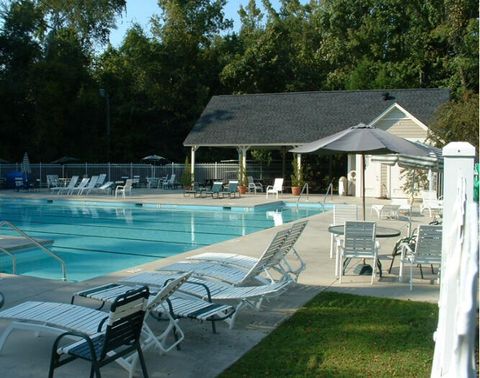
pixel 116 172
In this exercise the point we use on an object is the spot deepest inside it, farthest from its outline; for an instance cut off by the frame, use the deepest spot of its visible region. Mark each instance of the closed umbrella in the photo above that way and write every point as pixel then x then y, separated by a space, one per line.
pixel 361 139
pixel 65 160
pixel 25 166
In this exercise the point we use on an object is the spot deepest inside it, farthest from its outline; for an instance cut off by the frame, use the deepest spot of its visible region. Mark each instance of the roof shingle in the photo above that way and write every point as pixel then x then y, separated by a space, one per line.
pixel 300 117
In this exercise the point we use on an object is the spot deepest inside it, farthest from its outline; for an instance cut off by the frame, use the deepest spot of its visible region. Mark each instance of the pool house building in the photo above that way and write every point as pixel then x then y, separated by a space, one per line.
pixel 283 121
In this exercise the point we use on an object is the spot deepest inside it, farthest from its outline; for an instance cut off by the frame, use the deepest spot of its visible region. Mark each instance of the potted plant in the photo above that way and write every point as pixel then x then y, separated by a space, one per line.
pixel 242 180
pixel 297 178
pixel 186 179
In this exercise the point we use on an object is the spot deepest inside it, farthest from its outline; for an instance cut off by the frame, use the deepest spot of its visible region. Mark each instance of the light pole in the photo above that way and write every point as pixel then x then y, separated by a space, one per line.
pixel 104 93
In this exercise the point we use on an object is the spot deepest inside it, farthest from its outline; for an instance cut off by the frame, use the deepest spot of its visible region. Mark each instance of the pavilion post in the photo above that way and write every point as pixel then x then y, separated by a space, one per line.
pixel 192 165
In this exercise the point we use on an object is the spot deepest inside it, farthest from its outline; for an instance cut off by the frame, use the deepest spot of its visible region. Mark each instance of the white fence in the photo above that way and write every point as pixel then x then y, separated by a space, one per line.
pixel 203 171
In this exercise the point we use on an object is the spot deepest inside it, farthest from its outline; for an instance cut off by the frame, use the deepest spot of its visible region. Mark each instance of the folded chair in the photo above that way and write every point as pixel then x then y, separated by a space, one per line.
pixel 60 317
pixel 359 243
pixel 279 260
pixel 427 249
pixel 121 336
pixel 234 275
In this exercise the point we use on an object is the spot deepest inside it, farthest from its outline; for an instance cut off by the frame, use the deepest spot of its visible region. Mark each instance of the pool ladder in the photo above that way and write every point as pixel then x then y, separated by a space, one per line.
pixel 305 187
pixel 34 242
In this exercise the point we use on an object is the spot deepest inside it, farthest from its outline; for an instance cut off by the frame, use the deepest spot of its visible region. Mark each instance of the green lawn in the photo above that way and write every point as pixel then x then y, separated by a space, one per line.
pixel 343 335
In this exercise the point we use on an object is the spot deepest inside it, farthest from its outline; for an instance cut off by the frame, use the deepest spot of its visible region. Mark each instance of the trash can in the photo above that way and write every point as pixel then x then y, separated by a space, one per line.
pixel 342 186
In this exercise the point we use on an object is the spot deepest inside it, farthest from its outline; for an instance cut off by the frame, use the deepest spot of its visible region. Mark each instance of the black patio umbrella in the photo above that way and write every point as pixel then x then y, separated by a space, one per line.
pixel 156 159
pixel 361 139
pixel 65 160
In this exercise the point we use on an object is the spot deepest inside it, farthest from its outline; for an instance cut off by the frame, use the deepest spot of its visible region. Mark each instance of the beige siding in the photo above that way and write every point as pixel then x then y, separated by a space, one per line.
pixel 397 123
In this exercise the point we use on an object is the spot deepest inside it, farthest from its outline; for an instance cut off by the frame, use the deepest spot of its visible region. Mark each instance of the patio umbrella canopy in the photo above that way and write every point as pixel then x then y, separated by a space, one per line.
pixel 65 159
pixel 155 159
pixel 432 161
pixel 361 139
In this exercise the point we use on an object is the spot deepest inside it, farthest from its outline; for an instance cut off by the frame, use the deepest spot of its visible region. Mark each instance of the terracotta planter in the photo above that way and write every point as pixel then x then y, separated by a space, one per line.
pixel 242 189
pixel 296 190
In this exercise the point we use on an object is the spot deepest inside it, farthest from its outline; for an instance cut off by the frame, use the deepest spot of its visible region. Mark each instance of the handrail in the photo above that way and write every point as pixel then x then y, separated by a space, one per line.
pixel 14 260
pixel 329 189
pixel 305 186
pixel 42 247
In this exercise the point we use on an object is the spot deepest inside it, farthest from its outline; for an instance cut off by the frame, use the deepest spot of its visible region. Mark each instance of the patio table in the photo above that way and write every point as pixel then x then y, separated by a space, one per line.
pixel 380 232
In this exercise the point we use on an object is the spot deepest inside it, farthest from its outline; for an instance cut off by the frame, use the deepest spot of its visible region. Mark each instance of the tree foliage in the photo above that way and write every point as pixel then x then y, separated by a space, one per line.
pixel 157 82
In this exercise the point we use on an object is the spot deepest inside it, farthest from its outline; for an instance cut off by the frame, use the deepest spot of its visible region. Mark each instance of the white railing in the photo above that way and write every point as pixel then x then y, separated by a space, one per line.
pixel 304 187
pixel 37 244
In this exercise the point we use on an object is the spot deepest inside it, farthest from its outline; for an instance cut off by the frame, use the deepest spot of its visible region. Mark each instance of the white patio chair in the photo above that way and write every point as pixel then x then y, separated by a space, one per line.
pixel 254 186
pixel 427 250
pixel 124 189
pixel 52 181
pixel 169 183
pixel 104 189
pixel 360 243
pixel 341 214
pixel 276 188
pixel 430 202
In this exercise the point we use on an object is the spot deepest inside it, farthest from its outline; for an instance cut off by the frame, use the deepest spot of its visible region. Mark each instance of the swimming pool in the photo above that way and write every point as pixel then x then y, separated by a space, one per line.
pixel 97 238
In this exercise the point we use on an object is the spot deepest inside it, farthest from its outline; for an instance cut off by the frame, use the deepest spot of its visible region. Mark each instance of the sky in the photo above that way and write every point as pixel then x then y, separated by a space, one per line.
pixel 140 11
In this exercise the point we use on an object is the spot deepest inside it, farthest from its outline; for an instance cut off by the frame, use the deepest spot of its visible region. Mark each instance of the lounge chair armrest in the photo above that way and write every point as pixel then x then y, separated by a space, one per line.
pixel 56 351
pixel 269 187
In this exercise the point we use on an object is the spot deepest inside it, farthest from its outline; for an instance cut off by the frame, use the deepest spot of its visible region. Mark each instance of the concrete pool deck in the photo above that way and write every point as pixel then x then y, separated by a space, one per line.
pixel 205 354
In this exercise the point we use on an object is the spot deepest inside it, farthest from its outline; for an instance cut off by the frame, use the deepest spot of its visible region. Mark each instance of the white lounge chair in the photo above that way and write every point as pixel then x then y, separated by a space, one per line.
pixel 276 188
pixel 386 211
pixel 124 189
pixel 254 186
pixel 79 187
pixel 234 275
pixel 211 291
pixel 359 242
pixel 427 250
pixel 104 189
pixel 278 261
pixel 92 183
pixel 66 189
pixel 180 304
pixel 101 179
pixel 57 318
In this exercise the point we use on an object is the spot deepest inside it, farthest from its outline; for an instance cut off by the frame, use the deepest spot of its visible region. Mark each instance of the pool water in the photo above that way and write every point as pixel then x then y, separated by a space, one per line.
pixel 95 239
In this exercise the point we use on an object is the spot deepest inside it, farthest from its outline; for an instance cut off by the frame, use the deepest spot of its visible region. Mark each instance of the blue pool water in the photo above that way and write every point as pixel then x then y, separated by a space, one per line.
pixel 99 238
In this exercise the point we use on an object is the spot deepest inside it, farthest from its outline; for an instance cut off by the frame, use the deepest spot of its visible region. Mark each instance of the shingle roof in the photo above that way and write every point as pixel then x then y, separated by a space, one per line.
pixel 300 117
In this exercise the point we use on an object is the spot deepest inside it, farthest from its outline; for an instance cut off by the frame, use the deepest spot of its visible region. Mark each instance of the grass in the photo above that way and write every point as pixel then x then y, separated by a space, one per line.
pixel 343 335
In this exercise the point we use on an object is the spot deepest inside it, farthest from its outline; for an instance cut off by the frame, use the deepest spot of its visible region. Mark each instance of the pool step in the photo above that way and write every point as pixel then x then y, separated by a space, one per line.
pixel 19 243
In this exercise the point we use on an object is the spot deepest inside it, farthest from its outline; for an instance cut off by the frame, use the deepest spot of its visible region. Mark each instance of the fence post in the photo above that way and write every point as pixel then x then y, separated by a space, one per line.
pixel 455 330
pixel 131 170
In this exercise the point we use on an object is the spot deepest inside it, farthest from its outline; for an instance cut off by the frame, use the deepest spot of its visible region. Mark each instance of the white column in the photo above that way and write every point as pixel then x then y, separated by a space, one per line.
pixel 192 162
pixel 451 348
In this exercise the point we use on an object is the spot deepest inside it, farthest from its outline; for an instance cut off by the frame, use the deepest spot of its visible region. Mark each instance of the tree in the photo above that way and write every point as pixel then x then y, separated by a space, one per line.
pixel 457 120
